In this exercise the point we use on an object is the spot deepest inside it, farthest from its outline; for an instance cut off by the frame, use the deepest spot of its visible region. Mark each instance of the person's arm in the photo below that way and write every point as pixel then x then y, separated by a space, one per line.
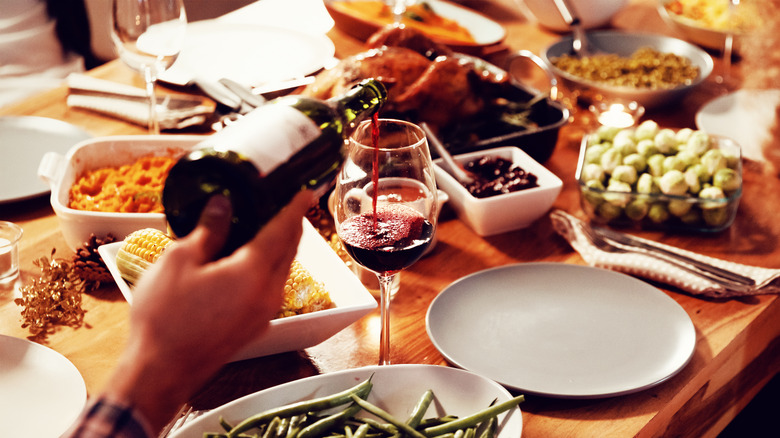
pixel 191 314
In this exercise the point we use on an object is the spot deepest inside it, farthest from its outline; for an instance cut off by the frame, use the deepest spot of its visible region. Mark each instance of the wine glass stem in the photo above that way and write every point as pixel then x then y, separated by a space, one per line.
pixel 154 123
pixel 385 287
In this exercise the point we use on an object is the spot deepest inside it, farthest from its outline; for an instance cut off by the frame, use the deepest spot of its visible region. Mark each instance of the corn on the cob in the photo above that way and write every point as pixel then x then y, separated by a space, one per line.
pixel 302 293
pixel 139 251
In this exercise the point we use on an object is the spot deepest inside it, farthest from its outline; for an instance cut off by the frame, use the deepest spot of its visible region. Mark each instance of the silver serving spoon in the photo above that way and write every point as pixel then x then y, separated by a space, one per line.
pixel 449 164
pixel 579 39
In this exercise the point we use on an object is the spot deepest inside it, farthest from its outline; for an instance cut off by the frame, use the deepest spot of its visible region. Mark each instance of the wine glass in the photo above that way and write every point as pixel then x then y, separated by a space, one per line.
pixel 148 36
pixel 385 209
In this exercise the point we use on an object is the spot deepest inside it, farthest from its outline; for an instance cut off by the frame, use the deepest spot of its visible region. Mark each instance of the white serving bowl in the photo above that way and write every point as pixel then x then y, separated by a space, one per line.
pixel 352 300
pixel 697 32
pixel 506 212
pixel 396 390
pixel 592 13
pixel 60 172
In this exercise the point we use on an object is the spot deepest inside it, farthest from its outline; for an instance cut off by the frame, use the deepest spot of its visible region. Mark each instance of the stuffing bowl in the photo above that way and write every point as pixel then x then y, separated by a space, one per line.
pixel 624 44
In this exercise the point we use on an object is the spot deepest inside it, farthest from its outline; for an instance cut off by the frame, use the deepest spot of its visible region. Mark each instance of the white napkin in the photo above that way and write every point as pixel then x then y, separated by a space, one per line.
pixel 651 268
pixel 107 97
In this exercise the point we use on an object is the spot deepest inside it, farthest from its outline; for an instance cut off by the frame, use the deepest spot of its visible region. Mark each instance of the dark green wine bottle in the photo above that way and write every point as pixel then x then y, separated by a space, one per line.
pixel 261 161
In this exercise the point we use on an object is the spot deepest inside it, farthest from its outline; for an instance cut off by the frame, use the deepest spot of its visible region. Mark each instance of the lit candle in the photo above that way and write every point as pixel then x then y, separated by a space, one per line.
pixel 616 115
pixel 8 264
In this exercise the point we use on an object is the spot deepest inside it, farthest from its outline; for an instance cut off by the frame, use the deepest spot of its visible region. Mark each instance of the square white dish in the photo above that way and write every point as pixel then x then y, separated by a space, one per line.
pixel 505 212
pixel 352 300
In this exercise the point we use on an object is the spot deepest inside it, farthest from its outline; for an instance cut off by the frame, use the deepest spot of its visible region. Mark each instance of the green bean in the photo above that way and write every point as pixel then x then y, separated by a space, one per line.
pixel 362 389
pixel 388 429
pixel 361 431
pixel 325 424
pixel 270 430
pixel 379 412
pixel 472 431
pixel 489 428
pixel 225 425
pixel 435 421
pixel 474 419
pixel 420 409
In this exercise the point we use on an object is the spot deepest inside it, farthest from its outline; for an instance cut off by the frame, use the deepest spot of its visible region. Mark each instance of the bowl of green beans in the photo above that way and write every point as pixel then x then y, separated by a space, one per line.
pixel 379 401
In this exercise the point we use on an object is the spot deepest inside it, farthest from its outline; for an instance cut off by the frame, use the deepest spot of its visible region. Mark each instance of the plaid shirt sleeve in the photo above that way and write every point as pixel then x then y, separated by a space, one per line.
pixel 103 419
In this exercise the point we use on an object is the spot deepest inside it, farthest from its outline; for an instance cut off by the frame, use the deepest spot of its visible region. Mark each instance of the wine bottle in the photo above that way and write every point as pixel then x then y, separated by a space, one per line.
pixel 262 160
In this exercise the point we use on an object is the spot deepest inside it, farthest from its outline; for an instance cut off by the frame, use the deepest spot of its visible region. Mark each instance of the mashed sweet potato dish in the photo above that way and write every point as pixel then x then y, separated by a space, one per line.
pixel 132 188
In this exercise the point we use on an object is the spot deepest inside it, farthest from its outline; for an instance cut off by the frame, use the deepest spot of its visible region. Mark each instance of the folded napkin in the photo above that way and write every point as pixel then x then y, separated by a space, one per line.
pixel 130 103
pixel 651 268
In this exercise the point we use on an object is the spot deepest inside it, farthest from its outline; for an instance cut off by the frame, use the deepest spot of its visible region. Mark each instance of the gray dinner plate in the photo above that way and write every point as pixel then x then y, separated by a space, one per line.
pixel 561 330
pixel 23 142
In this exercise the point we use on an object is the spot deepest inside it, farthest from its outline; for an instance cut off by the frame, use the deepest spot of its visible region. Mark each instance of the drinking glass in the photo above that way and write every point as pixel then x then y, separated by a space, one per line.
pixel 386 209
pixel 148 36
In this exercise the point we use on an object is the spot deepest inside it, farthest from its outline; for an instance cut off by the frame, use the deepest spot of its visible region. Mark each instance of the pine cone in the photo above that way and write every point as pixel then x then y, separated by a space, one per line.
pixel 89 265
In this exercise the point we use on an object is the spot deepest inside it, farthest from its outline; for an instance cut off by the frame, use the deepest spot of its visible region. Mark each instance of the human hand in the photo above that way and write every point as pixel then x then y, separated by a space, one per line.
pixel 191 314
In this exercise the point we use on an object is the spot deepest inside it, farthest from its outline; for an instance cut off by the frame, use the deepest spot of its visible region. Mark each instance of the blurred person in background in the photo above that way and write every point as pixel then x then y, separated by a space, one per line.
pixel 42 41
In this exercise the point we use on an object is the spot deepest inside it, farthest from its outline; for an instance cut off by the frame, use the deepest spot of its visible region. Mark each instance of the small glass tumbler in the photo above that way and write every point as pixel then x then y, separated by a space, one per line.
pixel 10 234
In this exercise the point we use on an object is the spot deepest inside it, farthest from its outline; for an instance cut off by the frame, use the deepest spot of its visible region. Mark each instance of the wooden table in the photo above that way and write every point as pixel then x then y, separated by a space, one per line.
pixel 737 340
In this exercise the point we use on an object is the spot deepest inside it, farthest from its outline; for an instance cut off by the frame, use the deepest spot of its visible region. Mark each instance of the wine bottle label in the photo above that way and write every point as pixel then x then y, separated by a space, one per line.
pixel 268 136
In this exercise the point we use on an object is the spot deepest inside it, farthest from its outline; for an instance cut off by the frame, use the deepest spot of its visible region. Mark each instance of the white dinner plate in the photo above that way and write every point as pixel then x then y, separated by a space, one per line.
pixel 745 116
pixel 41 392
pixel 24 140
pixel 561 330
pixel 396 389
pixel 248 54
pixel 484 30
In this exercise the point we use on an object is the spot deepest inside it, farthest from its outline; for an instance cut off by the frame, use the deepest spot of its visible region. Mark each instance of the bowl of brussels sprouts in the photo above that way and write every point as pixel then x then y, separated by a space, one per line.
pixel 655 177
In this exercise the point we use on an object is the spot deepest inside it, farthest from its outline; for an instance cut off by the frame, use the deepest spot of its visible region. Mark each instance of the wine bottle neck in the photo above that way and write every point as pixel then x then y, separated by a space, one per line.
pixel 360 103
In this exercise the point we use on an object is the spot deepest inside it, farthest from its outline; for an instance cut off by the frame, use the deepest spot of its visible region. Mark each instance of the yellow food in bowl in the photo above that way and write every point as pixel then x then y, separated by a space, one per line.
pixel 131 188
pixel 645 68
pixel 715 14
pixel 419 16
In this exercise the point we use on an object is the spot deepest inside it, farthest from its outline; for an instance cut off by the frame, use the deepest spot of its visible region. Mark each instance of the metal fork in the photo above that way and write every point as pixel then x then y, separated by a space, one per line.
pixel 606 244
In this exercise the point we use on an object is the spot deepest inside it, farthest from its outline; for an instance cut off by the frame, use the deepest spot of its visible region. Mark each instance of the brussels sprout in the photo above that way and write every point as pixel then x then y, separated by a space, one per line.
pixel 646 147
pixel 698 142
pixel 646 184
pixel 683 135
pixel 665 141
pixel 692 178
pixel 593 153
pixel 636 161
pixel 609 211
pixel 655 164
pixel 687 158
pixel 658 213
pixel 727 179
pixel 637 209
pixel 607 133
pixel 624 173
pixel 618 193
pixel 679 207
pixel 592 171
pixel 711 192
pixel 646 130
pixel 592 139
pixel 692 217
pixel 624 142
pixel 610 159
pixel 672 163
pixel 712 160
pixel 673 183
pixel 715 217
pixel 592 193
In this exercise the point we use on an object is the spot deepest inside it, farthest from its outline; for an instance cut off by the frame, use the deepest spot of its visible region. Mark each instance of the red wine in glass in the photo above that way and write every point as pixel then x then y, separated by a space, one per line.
pixel 388 241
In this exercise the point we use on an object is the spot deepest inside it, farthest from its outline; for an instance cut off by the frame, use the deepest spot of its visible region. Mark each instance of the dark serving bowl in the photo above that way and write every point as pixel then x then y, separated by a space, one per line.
pixel 537 136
